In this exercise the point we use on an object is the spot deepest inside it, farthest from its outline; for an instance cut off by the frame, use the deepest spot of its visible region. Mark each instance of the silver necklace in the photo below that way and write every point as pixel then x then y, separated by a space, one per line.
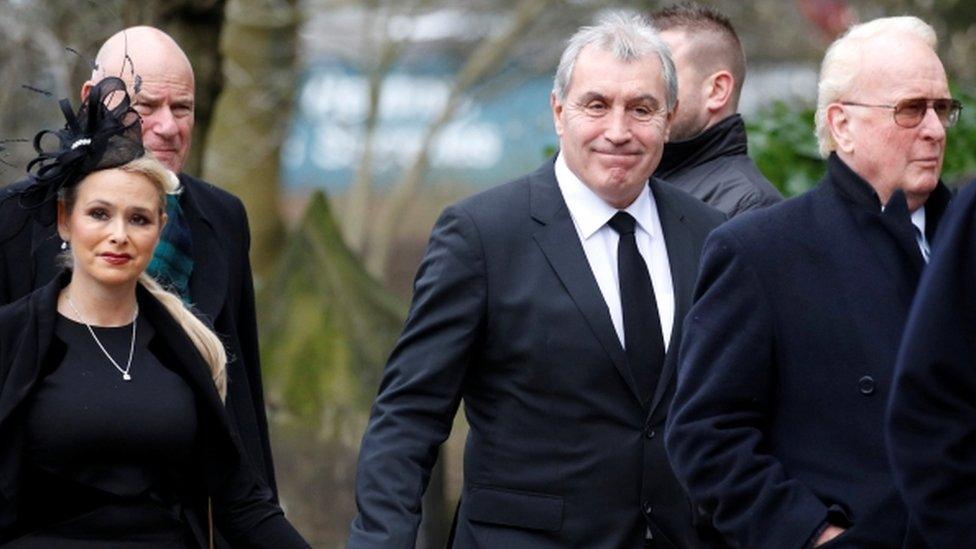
pixel 132 344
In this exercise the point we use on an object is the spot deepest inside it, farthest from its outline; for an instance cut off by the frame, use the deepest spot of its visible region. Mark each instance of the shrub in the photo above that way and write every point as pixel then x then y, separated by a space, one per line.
pixel 782 143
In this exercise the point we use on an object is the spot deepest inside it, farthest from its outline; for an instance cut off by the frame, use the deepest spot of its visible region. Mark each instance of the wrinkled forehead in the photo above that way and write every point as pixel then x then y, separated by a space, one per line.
pixel 598 67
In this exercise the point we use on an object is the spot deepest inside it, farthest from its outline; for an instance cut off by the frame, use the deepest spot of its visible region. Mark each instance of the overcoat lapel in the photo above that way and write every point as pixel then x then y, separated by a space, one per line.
pixel 560 244
pixel 679 241
pixel 222 446
pixel 25 367
pixel 186 359
pixel 210 270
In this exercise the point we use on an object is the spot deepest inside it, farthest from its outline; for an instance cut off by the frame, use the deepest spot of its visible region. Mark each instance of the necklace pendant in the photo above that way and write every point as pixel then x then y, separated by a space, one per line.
pixel 126 376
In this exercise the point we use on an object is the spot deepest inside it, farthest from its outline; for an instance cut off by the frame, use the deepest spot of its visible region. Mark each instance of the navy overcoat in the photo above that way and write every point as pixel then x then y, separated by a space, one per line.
pixel 786 366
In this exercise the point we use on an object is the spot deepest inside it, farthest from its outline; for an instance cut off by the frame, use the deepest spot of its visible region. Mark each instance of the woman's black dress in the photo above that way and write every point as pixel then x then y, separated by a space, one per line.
pixel 105 457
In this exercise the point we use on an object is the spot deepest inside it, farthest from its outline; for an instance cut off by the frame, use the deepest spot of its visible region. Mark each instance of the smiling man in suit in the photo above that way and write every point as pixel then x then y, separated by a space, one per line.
pixel 203 252
pixel 551 306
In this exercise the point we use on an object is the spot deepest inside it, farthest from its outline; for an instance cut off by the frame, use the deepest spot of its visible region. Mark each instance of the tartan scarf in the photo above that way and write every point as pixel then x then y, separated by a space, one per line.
pixel 172 263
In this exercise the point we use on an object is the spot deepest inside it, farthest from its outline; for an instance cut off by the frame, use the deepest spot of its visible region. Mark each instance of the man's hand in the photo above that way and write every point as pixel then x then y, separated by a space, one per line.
pixel 829 533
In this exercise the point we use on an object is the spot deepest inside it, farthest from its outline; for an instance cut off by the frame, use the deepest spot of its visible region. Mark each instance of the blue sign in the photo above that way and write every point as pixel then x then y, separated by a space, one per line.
pixel 498 131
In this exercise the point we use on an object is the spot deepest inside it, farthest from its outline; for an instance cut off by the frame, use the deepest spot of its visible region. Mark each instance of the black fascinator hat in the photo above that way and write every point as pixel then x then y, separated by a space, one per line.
pixel 105 133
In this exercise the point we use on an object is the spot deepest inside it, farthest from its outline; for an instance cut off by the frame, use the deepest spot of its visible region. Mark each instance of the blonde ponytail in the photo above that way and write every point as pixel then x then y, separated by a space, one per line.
pixel 203 338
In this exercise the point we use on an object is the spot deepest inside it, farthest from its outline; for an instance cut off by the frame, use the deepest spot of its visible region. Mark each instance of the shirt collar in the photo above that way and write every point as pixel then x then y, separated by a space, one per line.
pixel 589 212
pixel 918 219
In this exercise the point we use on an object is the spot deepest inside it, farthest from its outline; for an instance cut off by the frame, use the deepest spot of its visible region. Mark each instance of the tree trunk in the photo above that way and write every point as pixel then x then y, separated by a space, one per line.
pixel 360 194
pixel 251 115
pixel 328 329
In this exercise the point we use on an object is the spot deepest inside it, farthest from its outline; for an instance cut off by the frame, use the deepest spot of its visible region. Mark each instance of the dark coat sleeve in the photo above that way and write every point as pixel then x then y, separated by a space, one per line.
pixel 724 399
pixel 421 386
pixel 219 218
pixel 247 329
pixel 246 514
pixel 931 423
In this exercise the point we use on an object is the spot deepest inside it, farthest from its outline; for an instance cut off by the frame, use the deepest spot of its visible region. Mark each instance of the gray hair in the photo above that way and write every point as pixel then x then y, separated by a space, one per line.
pixel 841 65
pixel 629 37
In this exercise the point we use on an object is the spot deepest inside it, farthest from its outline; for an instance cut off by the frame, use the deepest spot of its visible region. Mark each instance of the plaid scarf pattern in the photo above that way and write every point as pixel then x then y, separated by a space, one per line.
pixel 172 263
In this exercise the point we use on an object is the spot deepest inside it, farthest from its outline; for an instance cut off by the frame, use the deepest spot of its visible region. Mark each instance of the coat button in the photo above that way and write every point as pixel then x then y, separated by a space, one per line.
pixel 866 385
pixel 649 433
pixel 646 507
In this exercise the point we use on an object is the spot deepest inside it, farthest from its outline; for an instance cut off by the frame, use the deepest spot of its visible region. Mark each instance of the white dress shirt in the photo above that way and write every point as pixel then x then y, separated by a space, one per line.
pixel 590 216
pixel 918 219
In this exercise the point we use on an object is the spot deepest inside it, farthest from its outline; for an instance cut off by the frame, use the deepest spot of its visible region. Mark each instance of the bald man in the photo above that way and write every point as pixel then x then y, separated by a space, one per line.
pixel 706 153
pixel 203 253
pixel 164 99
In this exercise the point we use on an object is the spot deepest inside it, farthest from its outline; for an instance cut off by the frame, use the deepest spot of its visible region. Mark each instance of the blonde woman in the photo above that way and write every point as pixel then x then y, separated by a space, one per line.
pixel 111 391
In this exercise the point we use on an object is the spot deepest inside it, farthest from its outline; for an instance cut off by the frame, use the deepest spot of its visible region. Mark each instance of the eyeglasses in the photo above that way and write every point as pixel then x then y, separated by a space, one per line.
pixel 910 112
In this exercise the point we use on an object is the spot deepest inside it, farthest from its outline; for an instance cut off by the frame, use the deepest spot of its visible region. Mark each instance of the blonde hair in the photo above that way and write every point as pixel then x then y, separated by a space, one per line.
pixel 207 343
pixel 841 65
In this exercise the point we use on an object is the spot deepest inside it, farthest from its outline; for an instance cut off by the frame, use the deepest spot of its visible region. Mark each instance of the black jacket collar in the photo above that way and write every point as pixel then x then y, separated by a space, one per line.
pixel 856 190
pixel 727 138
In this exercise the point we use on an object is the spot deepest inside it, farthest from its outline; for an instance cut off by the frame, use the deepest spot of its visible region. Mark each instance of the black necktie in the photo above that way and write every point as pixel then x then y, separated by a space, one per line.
pixel 642 326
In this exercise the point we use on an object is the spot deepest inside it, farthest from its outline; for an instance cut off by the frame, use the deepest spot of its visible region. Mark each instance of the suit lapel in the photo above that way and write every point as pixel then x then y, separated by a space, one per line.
pixel 560 244
pixel 680 243
pixel 210 270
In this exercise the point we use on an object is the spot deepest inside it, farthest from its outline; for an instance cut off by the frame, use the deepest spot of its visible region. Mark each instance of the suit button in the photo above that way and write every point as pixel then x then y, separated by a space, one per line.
pixel 866 385
pixel 649 433
pixel 646 507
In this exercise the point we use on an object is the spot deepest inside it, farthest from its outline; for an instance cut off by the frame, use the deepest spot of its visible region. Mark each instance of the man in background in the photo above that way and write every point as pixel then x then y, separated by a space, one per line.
pixel 706 155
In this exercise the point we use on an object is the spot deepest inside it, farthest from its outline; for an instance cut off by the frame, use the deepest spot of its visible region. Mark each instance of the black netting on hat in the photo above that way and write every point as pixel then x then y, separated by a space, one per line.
pixel 105 133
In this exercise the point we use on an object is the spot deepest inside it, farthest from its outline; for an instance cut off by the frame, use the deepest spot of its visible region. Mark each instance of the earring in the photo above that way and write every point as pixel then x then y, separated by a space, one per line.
pixel 64 245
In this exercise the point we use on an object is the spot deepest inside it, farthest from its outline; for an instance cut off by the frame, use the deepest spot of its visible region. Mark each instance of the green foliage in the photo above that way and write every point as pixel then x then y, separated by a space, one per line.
pixel 783 145
pixel 960 156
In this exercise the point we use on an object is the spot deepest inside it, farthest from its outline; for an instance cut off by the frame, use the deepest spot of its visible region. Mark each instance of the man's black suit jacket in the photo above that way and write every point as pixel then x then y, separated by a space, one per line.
pixel 786 365
pixel 220 288
pixel 507 316
pixel 932 413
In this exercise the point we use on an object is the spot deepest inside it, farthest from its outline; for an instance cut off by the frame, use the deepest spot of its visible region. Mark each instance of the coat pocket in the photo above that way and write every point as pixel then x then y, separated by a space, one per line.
pixel 514 508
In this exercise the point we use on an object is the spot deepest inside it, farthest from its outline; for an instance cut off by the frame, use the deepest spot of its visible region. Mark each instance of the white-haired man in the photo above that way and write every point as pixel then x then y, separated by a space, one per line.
pixel 788 353
pixel 551 305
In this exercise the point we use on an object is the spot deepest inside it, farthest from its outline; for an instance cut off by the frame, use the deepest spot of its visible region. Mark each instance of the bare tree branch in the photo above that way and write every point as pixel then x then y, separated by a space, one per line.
pixel 487 57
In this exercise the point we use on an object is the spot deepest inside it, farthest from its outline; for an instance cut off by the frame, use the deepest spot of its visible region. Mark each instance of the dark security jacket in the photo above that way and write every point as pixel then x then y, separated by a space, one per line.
pixel 507 316
pixel 220 288
pixel 786 366
pixel 932 414
pixel 715 168
pixel 243 505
